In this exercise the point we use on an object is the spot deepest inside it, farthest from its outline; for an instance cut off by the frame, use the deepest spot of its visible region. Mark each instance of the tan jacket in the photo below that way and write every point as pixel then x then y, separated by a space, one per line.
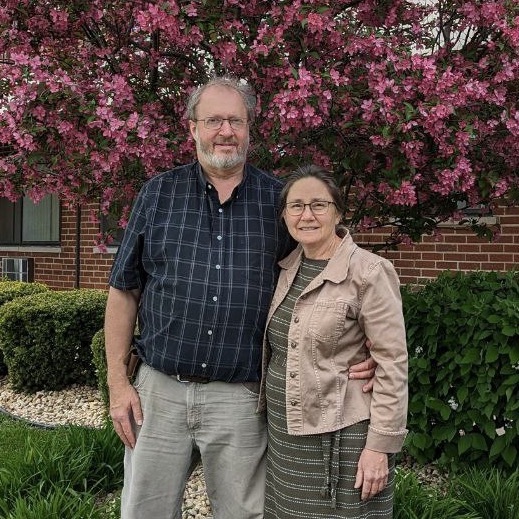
pixel 356 296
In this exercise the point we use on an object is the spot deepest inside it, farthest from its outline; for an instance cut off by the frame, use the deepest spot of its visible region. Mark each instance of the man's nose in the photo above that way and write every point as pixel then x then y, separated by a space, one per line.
pixel 226 128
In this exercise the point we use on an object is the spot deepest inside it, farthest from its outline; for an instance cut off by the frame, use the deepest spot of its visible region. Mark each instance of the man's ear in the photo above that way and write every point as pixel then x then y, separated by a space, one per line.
pixel 192 129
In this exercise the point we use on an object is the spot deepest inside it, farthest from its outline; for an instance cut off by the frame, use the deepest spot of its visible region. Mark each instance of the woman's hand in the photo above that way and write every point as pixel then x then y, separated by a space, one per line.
pixel 372 473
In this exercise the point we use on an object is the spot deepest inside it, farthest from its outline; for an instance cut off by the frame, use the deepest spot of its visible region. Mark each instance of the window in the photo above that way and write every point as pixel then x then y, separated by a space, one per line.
pixel 474 211
pixel 26 223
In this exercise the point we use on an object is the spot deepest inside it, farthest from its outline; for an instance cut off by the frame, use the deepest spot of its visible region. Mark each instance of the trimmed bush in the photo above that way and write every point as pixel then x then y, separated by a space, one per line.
pixel 99 358
pixel 10 290
pixel 463 341
pixel 46 338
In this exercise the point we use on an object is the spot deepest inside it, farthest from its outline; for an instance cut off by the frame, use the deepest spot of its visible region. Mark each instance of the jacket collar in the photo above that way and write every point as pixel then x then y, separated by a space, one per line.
pixel 338 266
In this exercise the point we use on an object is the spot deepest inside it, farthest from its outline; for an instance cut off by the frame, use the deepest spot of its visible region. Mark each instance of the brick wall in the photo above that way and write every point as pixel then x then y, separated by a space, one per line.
pixel 457 249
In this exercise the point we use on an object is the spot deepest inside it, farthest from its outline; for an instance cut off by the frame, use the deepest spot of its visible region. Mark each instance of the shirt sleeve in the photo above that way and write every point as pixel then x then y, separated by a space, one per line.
pixel 127 271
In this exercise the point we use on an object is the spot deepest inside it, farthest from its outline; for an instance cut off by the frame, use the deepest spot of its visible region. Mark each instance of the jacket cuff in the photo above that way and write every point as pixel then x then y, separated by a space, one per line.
pixel 385 441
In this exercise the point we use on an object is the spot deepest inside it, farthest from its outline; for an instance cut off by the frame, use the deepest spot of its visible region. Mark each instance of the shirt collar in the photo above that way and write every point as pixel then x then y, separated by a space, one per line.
pixel 337 268
pixel 202 179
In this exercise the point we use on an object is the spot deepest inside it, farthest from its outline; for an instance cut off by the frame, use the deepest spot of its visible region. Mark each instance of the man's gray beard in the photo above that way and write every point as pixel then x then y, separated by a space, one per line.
pixel 222 162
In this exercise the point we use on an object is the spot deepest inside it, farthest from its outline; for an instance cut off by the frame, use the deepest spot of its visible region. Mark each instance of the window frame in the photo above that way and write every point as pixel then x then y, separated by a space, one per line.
pixel 16 223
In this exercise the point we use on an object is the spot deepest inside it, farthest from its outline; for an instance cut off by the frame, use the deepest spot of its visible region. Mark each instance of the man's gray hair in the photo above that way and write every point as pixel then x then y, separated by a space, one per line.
pixel 244 89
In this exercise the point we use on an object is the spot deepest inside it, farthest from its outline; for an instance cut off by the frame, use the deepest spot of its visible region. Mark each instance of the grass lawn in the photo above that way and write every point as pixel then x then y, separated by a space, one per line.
pixel 72 472
pixel 61 473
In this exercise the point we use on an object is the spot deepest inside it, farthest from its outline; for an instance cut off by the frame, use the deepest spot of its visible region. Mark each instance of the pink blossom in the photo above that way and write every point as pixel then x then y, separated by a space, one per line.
pixel 404 195
pixel 59 20
pixel 364 89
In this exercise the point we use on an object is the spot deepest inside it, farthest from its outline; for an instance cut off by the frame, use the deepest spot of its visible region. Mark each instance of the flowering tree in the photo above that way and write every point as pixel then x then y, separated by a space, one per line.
pixel 414 104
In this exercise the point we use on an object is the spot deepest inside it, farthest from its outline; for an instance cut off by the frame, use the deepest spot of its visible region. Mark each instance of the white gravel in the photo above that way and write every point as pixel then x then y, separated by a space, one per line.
pixel 80 405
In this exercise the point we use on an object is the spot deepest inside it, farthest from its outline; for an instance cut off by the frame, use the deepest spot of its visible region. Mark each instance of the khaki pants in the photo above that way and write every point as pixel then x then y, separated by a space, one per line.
pixel 184 422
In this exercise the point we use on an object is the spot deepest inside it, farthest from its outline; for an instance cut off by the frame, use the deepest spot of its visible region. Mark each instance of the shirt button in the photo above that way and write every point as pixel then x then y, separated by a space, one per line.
pixel 296 320
pixel 293 374
pixel 210 332
pixel 218 267
pixel 204 365
pixel 293 344
pixel 293 402
pixel 220 210
pixel 215 298
pixel 218 237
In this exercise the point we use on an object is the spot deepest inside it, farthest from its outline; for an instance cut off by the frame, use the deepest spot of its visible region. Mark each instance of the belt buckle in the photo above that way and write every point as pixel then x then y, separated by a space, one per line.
pixel 196 379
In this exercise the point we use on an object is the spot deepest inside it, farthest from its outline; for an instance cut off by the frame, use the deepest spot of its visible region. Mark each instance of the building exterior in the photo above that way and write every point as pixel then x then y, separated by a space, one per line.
pixel 57 246
pixel 457 249
pixel 54 245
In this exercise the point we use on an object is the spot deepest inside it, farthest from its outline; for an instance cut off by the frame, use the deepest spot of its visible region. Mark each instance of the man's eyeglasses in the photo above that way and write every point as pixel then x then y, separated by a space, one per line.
pixel 215 123
pixel 317 207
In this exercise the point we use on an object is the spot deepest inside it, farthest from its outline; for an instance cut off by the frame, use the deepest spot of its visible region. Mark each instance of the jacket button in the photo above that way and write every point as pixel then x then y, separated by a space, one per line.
pixel 293 344
pixel 293 374
pixel 296 320
pixel 293 402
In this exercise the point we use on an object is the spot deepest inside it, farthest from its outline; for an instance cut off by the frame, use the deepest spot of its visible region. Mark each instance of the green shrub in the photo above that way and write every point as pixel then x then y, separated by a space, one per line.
pixel 10 290
pixel 487 493
pixel 46 338
pixel 59 472
pixel 61 502
pixel 463 341
pixel 413 500
pixel 99 357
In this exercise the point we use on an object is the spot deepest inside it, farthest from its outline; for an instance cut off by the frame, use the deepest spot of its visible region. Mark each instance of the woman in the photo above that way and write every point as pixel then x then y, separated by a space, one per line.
pixel 331 445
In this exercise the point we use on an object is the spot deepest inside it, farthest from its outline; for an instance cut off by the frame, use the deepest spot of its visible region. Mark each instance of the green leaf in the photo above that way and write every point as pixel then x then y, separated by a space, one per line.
pixel 492 353
pixel 510 455
pixel 498 446
pixel 478 442
pixel 422 363
pixel 462 393
pixel 464 444
pixel 488 410
pixel 421 440
pixel 471 356
pixel 445 412
pixel 514 355
pixel 444 432
pixel 489 427
pixel 509 331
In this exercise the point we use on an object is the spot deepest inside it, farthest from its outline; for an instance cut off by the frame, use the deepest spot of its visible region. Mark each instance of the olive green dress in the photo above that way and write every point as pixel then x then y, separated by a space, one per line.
pixel 311 477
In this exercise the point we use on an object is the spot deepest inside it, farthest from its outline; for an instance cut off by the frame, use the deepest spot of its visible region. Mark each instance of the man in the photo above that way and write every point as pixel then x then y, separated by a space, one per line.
pixel 197 264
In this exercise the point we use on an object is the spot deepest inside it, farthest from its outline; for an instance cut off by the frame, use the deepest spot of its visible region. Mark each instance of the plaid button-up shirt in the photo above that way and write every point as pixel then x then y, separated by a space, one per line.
pixel 206 271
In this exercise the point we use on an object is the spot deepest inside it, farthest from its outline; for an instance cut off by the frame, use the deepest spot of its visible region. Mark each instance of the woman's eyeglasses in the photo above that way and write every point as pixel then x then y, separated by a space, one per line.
pixel 317 207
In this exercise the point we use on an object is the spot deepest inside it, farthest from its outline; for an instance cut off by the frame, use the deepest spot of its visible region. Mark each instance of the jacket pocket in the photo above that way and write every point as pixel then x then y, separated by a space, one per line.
pixel 327 320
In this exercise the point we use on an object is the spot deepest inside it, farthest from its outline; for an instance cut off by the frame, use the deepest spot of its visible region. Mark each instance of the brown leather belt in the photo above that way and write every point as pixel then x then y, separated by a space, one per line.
pixel 192 378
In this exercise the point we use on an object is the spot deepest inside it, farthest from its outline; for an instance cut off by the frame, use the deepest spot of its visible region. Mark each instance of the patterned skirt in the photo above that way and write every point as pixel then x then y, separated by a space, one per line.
pixel 300 469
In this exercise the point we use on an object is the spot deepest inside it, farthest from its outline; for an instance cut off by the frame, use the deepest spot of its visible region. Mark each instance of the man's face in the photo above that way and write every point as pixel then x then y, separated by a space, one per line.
pixel 223 148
